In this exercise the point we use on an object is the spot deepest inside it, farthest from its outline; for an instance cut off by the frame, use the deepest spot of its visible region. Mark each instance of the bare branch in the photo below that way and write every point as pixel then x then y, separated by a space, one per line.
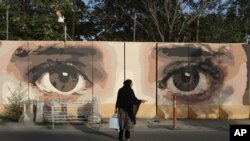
pixel 188 21
pixel 152 7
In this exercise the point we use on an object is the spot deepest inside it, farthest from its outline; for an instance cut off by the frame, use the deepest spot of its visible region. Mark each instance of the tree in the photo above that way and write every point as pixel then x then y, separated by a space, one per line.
pixel 111 20
pixel 161 20
pixel 233 27
pixel 172 18
pixel 36 19
pixel 14 109
pixel 244 15
pixel 2 24
pixel 155 20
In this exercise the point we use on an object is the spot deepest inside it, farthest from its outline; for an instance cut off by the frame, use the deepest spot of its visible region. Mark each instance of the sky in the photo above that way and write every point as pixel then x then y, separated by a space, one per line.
pixel 86 1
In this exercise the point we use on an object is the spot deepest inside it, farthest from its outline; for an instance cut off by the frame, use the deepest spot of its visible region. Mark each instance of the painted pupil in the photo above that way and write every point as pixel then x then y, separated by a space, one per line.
pixel 186 79
pixel 64 78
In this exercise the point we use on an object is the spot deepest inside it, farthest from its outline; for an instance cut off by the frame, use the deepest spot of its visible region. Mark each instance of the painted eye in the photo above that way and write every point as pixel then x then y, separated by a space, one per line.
pixel 188 81
pixel 62 78
pixel 61 82
pixel 193 81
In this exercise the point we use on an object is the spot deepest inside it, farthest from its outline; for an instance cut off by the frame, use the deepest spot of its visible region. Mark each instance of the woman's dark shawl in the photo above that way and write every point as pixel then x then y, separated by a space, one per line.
pixel 127 101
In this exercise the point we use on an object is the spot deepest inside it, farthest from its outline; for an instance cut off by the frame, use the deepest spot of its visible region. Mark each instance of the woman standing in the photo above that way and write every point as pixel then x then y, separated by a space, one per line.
pixel 127 106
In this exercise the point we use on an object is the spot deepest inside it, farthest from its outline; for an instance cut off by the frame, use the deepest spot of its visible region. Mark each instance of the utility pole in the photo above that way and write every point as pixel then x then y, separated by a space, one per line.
pixel 7 23
pixel 197 29
pixel 134 26
pixel 65 33
pixel 248 39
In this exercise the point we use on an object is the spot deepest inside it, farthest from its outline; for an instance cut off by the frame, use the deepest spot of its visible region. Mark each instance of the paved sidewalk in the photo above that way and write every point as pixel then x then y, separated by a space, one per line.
pixel 146 130
pixel 186 124
pixel 142 124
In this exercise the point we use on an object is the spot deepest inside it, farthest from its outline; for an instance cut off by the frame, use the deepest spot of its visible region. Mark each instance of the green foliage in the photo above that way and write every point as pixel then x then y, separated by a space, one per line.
pixel 37 20
pixel 175 21
pixel 14 109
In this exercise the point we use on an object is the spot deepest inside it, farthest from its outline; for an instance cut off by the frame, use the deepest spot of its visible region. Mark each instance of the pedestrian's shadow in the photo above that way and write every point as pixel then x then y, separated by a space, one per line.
pixel 93 129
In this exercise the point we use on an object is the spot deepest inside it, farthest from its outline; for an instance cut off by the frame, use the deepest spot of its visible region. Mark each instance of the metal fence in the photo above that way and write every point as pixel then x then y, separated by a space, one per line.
pixel 71 112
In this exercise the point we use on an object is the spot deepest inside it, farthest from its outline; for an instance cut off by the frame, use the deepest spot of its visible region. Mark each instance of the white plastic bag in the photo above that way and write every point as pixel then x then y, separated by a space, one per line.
pixel 114 123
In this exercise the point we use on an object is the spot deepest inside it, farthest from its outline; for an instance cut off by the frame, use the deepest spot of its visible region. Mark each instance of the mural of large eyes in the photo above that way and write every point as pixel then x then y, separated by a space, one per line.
pixel 192 81
pixel 59 77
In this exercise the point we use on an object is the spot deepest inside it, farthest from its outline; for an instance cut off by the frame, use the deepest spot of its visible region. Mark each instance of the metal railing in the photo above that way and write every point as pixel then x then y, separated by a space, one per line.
pixel 70 112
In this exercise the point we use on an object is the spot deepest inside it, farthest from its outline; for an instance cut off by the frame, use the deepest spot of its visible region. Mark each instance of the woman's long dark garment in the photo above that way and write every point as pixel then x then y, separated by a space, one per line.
pixel 128 106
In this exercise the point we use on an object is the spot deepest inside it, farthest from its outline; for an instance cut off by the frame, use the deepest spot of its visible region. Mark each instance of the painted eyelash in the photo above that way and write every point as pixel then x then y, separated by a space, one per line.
pixel 212 70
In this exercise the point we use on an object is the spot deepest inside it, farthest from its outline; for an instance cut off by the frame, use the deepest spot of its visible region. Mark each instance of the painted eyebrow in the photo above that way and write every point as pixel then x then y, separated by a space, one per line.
pixel 188 51
pixel 87 51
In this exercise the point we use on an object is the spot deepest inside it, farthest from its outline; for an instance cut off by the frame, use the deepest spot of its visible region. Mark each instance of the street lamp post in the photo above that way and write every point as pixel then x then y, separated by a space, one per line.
pixel 61 20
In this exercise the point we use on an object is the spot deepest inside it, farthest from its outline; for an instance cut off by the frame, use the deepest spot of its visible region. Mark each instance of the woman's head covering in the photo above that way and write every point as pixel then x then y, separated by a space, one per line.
pixel 127 83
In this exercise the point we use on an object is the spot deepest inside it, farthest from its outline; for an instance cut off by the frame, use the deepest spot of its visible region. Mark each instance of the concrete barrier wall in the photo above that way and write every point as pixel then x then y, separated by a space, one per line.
pixel 2 108
pixel 209 81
